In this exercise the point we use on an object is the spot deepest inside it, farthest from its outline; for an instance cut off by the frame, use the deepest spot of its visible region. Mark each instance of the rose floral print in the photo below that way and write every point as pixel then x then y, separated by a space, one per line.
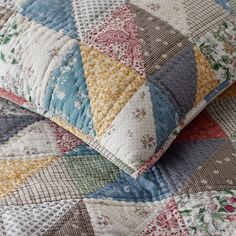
pixel 219 48
pixel 209 213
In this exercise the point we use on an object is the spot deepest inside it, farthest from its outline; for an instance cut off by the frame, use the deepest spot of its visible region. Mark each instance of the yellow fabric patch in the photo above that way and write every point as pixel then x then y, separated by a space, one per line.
pixel 206 78
pixel 15 172
pixel 110 84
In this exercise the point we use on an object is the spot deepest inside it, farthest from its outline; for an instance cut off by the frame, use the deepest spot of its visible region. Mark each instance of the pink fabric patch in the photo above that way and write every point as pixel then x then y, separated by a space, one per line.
pixel 12 97
pixel 168 222
pixel 201 128
pixel 65 140
pixel 117 36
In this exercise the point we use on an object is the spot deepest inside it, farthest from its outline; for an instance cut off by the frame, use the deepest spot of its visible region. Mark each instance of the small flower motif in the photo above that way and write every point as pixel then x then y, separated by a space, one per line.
pixel 165 43
pixel 141 40
pixel 203 181
pixel 141 212
pixel 154 6
pixel 144 213
pixel 78 104
pixel 229 181
pixel 164 56
pixel 179 44
pixel 176 8
pixel 60 95
pixel 229 208
pixel 150 18
pixel 111 129
pixel 231 217
pixel 126 189
pixel 231 200
pixel 148 142
pixel 130 133
pixel 213 207
pixel 139 114
pixel 54 52
pixel 103 220
pixel 142 95
pixel 29 71
pixel 158 40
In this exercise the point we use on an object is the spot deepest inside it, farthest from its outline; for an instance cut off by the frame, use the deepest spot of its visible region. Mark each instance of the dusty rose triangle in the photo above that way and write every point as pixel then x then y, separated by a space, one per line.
pixel 202 127
pixel 168 222
pixel 117 37
pixel 65 140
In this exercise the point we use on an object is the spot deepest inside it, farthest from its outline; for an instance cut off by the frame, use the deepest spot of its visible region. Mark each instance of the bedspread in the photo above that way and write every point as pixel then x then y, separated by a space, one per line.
pixel 51 183
pixel 109 87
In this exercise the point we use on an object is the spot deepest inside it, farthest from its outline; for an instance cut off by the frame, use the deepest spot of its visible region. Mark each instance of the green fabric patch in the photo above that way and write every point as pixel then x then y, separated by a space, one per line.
pixel 233 6
pixel 91 172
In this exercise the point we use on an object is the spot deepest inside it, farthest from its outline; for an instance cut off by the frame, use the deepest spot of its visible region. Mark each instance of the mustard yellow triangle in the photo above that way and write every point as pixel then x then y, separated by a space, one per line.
pixel 15 172
pixel 206 78
pixel 110 85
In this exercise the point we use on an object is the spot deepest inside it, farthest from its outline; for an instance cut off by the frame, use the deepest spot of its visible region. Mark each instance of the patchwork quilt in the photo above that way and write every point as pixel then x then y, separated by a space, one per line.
pixel 52 183
pixel 111 86
pixel 125 76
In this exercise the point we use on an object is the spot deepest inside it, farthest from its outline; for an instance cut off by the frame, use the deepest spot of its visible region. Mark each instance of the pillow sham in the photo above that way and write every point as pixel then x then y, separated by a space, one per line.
pixel 125 76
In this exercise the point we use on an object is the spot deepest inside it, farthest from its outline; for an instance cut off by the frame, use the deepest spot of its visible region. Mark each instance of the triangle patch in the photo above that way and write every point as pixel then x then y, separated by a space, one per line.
pixel 216 173
pixel 203 127
pixel 56 15
pixel 34 141
pixel 168 222
pixel 206 79
pixel 201 21
pixel 32 219
pixel 51 183
pixel 89 13
pixel 11 124
pixel 117 36
pixel 170 11
pixel 66 141
pixel 110 86
pixel 159 40
pixel 15 172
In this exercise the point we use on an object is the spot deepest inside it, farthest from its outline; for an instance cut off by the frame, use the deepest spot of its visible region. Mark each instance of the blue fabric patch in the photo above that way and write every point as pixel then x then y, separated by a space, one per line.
pixel 225 4
pixel 216 91
pixel 177 79
pixel 82 150
pixel 12 124
pixel 55 14
pixel 149 187
pixel 166 118
pixel 67 93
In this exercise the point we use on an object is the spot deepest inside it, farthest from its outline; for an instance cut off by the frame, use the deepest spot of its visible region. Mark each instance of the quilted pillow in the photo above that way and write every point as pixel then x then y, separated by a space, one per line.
pixel 125 76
